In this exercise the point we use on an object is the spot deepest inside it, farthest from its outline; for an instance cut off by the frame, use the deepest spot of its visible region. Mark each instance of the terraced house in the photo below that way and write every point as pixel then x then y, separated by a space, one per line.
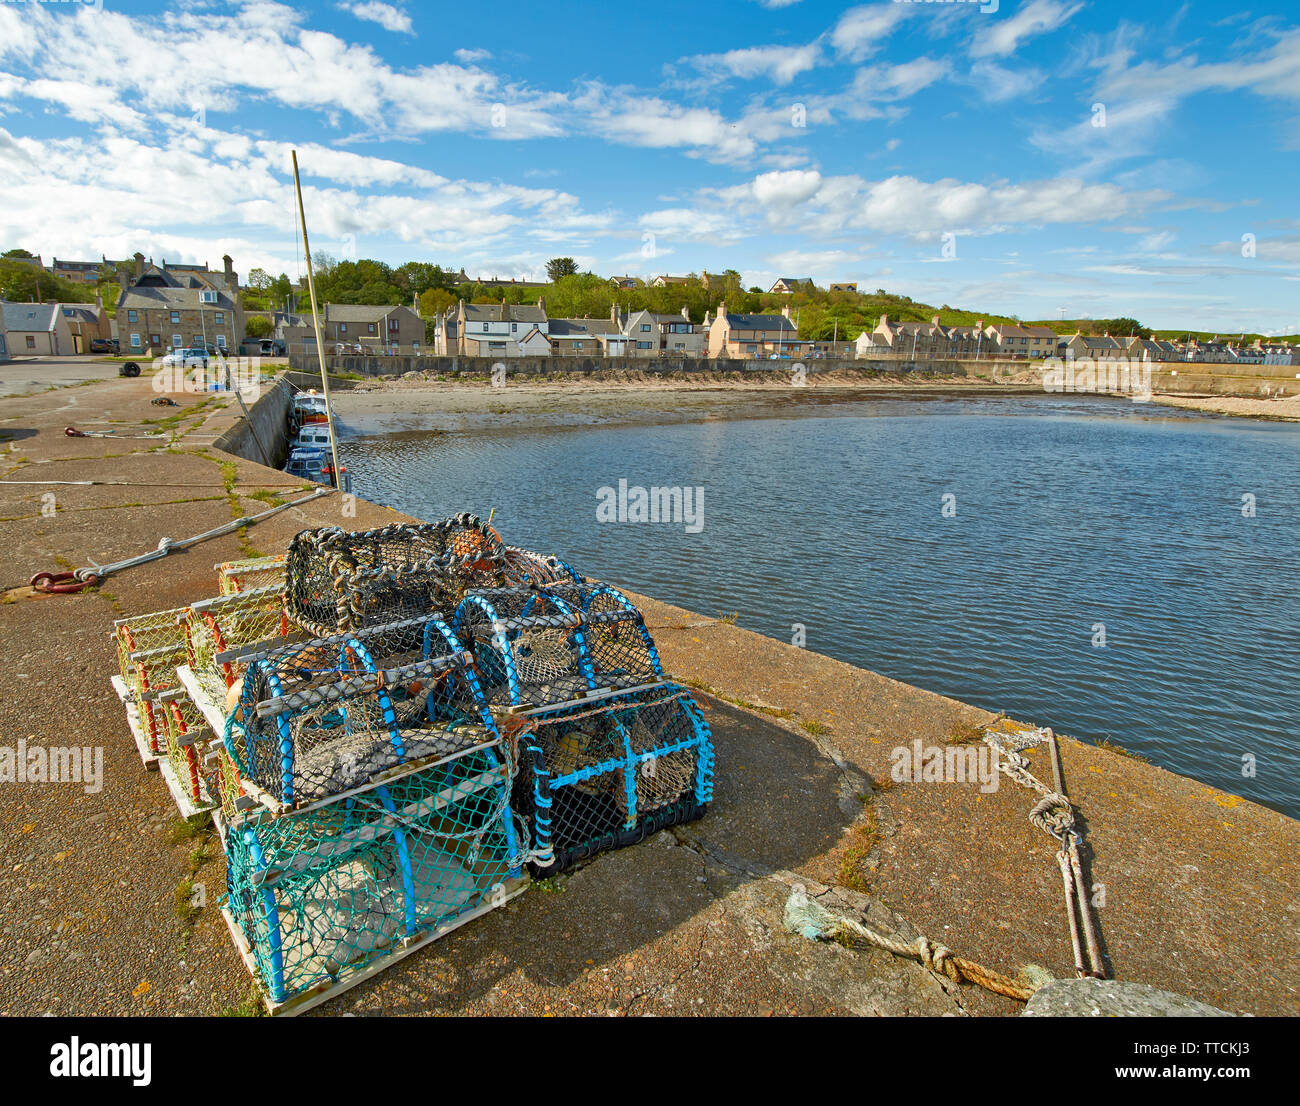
pixel 357 328
pixel 741 336
pixel 502 330
pixel 167 307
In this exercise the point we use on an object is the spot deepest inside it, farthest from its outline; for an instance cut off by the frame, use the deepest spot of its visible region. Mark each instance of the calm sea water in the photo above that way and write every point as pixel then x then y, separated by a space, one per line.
pixel 1070 517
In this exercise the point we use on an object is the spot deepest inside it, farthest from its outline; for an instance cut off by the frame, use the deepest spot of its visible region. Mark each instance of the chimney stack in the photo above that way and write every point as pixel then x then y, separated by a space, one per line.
pixel 232 281
pixel 785 310
pixel 685 313
pixel 722 309
pixel 139 265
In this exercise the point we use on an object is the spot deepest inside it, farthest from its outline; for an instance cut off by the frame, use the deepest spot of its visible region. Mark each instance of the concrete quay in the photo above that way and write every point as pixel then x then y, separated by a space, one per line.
pixel 1201 887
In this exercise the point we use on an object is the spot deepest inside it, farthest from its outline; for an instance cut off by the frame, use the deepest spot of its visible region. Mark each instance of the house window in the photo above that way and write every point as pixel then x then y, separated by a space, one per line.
pixel 130 317
pixel 31 341
pixel 645 326
pixel 177 341
pixel 393 326
pixel 220 318
pixel 514 327
pixel 644 345
pixel 155 339
pixel 221 341
pixel 176 316
pixel 370 328
pixel 343 328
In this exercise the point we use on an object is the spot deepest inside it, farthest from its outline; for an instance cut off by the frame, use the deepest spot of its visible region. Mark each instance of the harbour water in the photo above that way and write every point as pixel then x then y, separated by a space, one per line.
pixel 1118 571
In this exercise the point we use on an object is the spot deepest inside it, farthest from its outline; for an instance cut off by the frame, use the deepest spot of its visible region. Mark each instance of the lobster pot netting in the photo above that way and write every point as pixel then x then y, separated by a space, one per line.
pixel 222 779
pixel 186 732
pixel 149 647
pixel 344 580
pixel 218 627
pixel 251 573
pixel 542 646
pixel 622 653
pixel 524 568
pixel 320 894
pixel 601 777
pixel 317 718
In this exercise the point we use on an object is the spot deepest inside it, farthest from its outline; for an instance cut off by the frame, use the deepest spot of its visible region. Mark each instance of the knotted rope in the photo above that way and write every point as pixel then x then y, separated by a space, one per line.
pixel 813 920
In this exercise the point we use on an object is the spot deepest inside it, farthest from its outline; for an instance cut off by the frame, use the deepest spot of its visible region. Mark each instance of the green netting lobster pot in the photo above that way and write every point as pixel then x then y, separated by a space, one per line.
pixel 214 628
pixel 602 776
pixel 546 645
pixel 251 573
pixel 149 647
pixel 319 717
pixel 343 580
pixel 320 894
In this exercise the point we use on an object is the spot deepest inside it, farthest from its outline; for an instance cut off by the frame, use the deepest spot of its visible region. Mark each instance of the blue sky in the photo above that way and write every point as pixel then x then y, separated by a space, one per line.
pixel 1048 157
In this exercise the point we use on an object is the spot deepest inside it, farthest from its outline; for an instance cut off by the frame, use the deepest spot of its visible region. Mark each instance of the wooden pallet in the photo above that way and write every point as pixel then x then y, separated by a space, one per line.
pixel 323 992
pixel 184 801
pixel 135 720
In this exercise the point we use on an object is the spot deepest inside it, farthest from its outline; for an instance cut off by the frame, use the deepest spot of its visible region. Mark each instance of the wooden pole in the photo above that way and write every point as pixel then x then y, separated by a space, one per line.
pixel 315 319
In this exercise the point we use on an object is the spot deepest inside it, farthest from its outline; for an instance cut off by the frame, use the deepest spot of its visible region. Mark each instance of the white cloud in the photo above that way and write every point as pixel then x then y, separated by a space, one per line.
pixel 470 57
pixel 387 16
pixel 780 64
pixel 861 31
pixel 226 193
pixel 998 83
pixel 1002 37
pixel 786 189
pixel 906 207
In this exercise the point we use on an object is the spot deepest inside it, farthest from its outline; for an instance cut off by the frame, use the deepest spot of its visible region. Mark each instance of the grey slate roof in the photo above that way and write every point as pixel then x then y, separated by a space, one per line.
pixel 758 322
pixel 358 312
pixel 503 313
pixel 582 328
pixel 28 316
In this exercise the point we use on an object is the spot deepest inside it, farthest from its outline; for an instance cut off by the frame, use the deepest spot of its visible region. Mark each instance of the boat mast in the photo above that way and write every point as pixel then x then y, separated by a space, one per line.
pixel 315 319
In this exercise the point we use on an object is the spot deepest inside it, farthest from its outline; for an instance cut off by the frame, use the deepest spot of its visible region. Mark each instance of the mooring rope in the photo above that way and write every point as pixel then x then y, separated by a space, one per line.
pixel 814 920
pixel 1054 814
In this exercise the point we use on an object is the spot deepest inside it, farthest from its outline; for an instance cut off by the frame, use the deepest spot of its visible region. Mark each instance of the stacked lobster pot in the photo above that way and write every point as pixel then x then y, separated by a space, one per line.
pixel 149 647
pixel 380 779
pixel 389 725
pixel 611 751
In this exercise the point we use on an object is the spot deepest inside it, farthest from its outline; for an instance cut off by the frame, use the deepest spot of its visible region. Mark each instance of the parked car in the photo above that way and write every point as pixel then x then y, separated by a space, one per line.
pixel 187 357
pixel 103 345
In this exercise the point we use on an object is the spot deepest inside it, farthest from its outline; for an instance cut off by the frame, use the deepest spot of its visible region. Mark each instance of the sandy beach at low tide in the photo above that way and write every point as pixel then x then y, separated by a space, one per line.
pixel 420 405
pixel 1282 410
